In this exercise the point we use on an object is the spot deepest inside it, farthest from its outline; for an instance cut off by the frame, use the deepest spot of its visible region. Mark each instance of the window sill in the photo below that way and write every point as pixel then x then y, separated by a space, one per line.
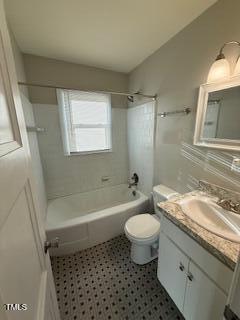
pixel 82 153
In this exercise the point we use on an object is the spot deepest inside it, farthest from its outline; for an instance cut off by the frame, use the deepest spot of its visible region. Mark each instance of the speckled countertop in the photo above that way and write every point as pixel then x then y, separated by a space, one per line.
pixel 226 251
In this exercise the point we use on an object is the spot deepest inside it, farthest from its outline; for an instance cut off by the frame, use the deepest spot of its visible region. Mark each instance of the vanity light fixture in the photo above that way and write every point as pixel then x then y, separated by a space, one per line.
pixel 237 68
pixel 220 69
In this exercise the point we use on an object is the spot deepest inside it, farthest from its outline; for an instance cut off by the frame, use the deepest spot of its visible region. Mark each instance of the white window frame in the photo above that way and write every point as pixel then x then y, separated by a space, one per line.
pixel 67 124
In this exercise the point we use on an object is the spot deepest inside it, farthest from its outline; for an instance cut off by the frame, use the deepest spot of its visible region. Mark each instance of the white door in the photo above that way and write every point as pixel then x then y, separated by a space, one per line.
pixel 203 299
pixel 172 268
pixel 25 272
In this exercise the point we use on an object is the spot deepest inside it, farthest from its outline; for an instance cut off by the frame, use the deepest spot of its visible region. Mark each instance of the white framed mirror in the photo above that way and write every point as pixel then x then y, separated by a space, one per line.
pixel 218 115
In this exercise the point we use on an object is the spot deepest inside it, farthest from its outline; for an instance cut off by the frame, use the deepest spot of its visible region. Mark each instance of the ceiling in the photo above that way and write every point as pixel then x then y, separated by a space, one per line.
pixel 111 34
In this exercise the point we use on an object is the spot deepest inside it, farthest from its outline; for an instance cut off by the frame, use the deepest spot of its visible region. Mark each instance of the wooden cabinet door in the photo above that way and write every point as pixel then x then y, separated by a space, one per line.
pixel 203 299
pixel 172 268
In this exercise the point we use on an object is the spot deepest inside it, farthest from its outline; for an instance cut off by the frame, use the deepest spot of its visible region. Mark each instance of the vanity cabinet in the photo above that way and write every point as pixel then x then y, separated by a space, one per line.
pixel 171 271
pixel 203 298
pixel 197 282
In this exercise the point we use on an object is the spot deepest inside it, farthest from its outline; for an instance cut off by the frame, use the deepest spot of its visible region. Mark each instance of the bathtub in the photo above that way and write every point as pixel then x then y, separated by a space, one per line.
pixel 86 219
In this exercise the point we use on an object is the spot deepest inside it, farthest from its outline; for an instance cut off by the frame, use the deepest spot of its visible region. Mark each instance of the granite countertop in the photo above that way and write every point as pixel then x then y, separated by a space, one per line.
pixel 226 251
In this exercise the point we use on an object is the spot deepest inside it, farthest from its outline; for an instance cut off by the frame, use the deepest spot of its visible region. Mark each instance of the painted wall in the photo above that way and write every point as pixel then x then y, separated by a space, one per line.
pixel 32 136
pixel 71 75
pixel 66 175
pixel 140 132
pixel 175 73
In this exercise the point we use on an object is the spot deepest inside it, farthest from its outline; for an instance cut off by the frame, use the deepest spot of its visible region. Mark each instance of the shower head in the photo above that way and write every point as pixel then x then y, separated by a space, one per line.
pixel 130 98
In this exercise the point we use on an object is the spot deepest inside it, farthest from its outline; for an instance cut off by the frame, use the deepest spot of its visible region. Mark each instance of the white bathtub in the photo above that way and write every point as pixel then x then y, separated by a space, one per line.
pixel 85 219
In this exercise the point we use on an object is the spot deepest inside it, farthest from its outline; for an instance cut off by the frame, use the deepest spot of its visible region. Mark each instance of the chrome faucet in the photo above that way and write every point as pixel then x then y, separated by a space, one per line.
pixel 134 180
pixel 229 205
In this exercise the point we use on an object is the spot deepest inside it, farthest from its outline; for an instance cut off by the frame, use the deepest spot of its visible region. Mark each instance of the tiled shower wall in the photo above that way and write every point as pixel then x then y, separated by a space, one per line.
pixel 141 144
pixel 66 175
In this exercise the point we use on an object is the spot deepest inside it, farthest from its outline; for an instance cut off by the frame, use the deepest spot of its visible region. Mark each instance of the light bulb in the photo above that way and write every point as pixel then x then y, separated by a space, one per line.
pixel 219 70
pixel 237 67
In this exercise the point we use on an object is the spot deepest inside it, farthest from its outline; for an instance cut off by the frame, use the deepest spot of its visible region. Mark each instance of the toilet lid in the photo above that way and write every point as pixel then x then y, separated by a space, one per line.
pixel 142 226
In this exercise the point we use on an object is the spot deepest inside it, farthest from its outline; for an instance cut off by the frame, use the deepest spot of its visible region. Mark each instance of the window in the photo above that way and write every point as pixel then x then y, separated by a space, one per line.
pixel 85 121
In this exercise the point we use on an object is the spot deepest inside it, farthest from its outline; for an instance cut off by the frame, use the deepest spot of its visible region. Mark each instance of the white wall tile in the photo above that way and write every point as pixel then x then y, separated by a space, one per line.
pixel 66 175
pixel 141 144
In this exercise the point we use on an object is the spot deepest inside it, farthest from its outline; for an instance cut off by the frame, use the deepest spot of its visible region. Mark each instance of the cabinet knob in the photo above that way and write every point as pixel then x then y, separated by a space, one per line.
pixel 181 266
pixel 190 276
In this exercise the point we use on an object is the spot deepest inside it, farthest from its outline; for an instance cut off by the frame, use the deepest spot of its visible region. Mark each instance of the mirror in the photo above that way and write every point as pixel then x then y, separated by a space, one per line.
pixel 218 115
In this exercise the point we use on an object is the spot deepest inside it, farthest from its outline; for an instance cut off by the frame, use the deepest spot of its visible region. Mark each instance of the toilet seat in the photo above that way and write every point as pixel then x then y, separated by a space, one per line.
pixel 143 228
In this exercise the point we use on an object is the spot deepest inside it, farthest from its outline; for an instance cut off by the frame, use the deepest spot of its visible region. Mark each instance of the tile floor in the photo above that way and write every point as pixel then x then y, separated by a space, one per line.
pixel 102 283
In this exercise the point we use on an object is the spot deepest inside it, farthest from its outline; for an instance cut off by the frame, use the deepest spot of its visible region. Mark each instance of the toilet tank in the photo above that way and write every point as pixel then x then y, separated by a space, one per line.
pixel 162 193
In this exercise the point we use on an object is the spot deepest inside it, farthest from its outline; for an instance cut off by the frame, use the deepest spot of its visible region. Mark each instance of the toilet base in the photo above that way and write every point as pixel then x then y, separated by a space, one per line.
pixel 142 254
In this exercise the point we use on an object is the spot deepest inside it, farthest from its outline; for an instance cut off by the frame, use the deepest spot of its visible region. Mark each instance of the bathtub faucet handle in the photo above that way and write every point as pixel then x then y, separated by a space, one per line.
pixel 54 243
pixel 134 180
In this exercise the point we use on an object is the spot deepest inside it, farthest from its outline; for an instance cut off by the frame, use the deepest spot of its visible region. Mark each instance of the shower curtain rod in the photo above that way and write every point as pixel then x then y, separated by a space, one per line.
pixel 27 84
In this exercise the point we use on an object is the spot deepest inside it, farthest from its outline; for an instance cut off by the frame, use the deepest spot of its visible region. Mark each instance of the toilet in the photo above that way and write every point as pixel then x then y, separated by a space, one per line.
pixel 143 229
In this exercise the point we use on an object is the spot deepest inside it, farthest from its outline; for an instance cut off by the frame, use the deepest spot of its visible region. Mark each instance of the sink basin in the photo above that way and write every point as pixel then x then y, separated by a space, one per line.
pixel 207 214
